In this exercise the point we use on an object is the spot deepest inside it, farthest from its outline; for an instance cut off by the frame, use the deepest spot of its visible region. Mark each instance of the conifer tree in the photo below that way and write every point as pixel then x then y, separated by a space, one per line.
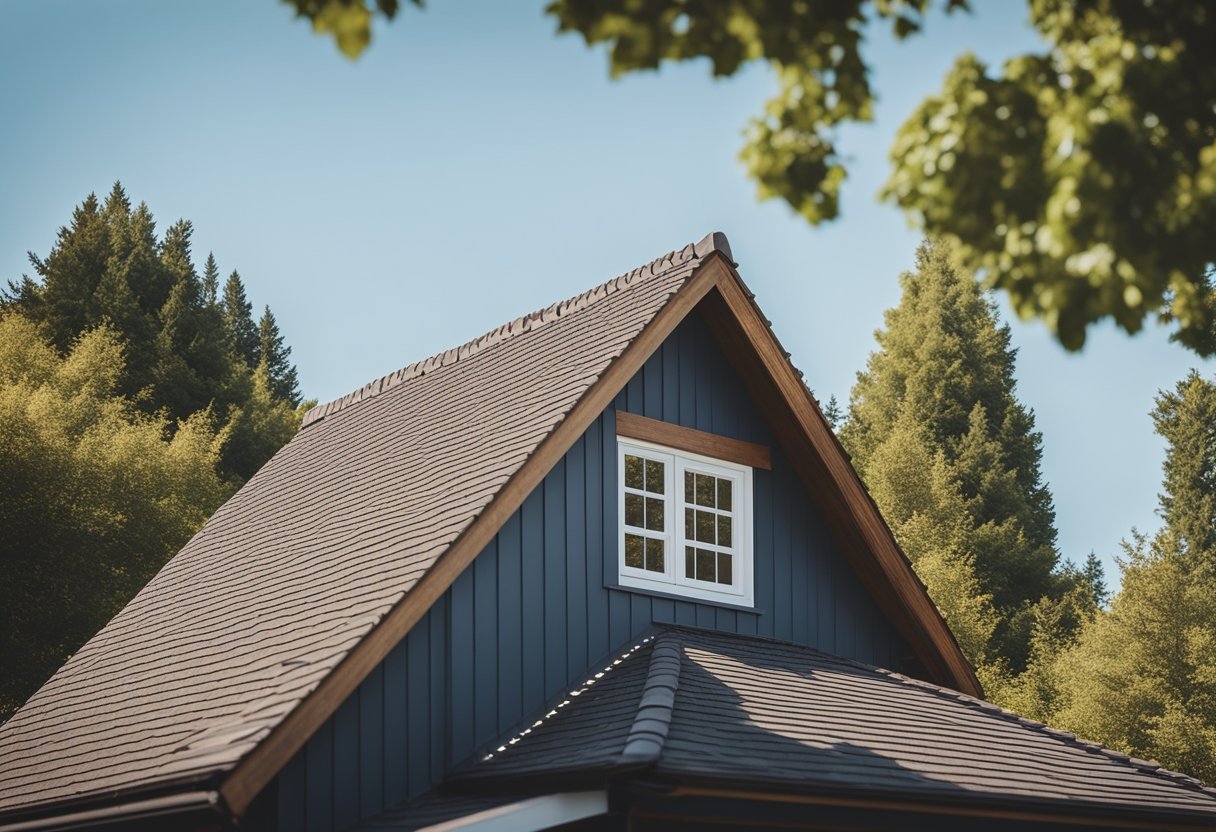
pixel 238 318
pixel 211 281
pixel 185 351
pixel 943 377
pixel 274 356
pixel 833 413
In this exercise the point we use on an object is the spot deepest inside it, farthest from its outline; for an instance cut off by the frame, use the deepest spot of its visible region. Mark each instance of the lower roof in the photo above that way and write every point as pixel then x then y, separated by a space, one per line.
pixel 757 714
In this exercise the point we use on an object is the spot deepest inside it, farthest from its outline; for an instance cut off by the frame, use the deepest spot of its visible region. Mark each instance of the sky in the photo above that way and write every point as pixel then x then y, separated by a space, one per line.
pixel 474 166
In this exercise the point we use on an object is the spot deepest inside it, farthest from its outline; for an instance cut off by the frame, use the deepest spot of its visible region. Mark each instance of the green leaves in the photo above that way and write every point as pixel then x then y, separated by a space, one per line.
pixel 349 22
pixel 1082 181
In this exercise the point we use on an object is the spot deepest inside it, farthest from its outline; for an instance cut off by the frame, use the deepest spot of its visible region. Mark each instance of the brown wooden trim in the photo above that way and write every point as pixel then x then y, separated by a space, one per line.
pixel 633 426
pixel 824 468
pixel 265 761
pixel 977 811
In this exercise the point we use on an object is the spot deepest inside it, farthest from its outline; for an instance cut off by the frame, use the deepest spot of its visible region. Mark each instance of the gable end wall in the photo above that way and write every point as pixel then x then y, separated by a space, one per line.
pixel 528 618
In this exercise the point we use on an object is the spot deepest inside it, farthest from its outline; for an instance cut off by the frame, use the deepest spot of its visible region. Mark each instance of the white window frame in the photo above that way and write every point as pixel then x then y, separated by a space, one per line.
pixel 674 580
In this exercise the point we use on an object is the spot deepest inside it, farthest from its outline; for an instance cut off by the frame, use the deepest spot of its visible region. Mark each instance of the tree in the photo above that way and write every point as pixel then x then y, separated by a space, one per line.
pixel 1081 180
pixel 93 497
pixel 1141 677
pixel 184 350
pixel 274 360
pixel 238 319
pixel 833 413
pixel 939 396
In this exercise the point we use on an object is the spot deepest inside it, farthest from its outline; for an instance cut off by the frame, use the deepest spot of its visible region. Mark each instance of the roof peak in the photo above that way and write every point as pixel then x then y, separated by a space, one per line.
pixel 714 241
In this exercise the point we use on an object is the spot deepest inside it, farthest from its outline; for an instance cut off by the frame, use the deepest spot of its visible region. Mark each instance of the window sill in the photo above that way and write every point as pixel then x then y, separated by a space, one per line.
pixel 675 596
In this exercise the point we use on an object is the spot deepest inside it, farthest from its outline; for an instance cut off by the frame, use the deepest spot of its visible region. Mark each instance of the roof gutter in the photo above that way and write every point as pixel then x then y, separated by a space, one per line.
pixel 173 804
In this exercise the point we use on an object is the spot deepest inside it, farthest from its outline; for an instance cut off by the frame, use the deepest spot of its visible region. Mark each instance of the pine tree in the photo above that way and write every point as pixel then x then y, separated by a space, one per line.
pixel 943 376
pixel 211 281
pixel 274 355
pixel 185 350
pixel 238 319
pixel 833 413
pixel 1141 676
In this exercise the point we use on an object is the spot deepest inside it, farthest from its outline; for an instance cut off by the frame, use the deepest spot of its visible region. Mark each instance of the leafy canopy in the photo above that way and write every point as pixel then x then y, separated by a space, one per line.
pixel 93 497
pixel 1080 179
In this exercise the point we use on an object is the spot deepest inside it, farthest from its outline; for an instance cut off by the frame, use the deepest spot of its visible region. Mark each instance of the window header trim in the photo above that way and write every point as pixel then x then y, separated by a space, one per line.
pixel 712 446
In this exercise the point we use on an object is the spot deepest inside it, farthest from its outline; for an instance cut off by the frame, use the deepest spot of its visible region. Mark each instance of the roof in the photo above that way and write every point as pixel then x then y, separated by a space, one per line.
pixel 749 711
pixel 252 635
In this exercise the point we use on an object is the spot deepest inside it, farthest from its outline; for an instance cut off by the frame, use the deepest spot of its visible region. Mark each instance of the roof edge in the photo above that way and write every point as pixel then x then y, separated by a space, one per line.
pixel 714 241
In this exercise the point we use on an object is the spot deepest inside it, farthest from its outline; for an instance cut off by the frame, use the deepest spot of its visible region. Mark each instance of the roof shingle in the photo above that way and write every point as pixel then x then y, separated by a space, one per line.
pixel 749 710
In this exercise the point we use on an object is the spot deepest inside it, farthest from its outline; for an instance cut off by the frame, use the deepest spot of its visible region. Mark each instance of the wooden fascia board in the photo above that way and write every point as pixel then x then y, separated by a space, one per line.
pixel 824 468
pixel 977 810
pixel 264 762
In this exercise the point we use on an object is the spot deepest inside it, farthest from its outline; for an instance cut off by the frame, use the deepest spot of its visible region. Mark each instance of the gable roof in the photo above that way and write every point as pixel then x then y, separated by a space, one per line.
pixel 759 715
pixel 252 635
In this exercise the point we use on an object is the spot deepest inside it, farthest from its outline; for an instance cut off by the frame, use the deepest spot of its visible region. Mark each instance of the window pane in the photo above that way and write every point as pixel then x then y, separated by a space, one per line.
pixel 705 527
pixel 690 562
pixel 705 490
pixel 689 524
pixel 688 486
pixel 724 568
pixel 724 495
pixel 705 565
pixel 654 514
pixel 633 472
pixel 654 555
pixel 633 552
pixel 724 530
pixel 633 511
pixel 654 477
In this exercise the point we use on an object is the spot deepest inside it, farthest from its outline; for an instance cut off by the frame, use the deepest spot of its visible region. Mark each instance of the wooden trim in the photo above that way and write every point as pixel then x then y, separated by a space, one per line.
pixel 632 426
pixel 824 467
pixel 265 761
pixel 977 811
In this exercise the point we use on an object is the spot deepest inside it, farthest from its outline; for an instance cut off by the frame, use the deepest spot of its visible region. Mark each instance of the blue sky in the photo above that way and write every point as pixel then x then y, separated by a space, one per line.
pixel 473 166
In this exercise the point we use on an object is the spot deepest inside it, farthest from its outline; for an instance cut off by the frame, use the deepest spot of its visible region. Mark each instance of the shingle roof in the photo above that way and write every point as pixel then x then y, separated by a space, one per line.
pixel 752 711
pixel 293 571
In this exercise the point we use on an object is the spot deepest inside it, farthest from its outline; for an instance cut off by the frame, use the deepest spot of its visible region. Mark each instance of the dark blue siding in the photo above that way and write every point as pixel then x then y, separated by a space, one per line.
pixel 532 614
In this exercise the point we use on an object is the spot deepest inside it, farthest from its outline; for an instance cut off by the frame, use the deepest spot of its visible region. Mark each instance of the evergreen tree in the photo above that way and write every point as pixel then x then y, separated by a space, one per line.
pixel 943 377
pixel 833 413
pixel 211 281
pixel 184 351
pixel 274 356
pixel 238 319
pixel 1141 677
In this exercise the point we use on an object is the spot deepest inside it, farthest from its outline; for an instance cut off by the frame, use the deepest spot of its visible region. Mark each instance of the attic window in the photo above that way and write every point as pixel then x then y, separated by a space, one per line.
pixel 685 523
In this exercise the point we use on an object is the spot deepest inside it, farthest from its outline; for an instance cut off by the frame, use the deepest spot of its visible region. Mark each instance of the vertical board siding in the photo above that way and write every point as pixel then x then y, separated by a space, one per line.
pixel 532 614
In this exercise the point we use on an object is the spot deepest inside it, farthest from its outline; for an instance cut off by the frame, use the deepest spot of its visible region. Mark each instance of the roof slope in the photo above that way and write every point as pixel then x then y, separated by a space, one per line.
pixel 755 712
pixel 297 568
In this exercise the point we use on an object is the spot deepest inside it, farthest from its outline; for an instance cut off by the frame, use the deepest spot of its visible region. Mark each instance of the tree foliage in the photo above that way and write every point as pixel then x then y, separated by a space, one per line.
pixel 1081 179
pixel 952 459
pixel 93 496
pixel 133 400
pixel 186 349
pixel 1141 677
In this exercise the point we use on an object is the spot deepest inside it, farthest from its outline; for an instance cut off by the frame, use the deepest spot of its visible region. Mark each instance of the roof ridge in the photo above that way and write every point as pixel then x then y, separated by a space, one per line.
pixel 653 719
pixel 640 644
pixel 1149 767
pixel 714 241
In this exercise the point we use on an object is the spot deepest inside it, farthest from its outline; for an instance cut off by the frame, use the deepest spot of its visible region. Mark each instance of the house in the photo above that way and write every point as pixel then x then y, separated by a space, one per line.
pixel 605 567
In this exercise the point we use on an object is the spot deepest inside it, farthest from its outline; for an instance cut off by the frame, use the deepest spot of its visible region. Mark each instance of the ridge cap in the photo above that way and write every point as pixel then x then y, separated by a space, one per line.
pixel 715 241
pixel 653 719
